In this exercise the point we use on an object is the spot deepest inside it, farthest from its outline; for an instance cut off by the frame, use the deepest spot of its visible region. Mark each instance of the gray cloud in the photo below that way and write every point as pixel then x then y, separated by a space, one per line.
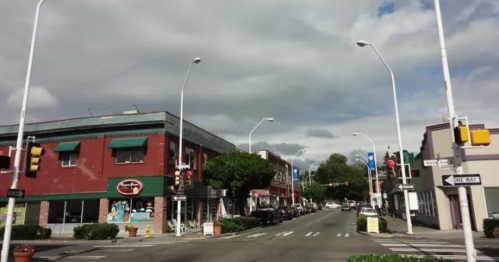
pixel 279 148
pixel 319 132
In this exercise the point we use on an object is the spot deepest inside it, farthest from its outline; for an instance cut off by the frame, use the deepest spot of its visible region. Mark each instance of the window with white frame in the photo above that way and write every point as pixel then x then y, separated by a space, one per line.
pixel 190 158
pixel 130 155
pixel 276 174
pixel 173 152
pixel 69 158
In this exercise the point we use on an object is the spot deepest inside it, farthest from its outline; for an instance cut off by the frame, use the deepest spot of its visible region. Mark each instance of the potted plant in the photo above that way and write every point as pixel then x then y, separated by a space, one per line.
pixel 24 253
pixel 132 230
pixel 217 228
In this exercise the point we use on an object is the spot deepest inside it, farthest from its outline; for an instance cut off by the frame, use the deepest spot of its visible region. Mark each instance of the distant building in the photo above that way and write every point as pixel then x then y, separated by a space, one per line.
pixel 114 169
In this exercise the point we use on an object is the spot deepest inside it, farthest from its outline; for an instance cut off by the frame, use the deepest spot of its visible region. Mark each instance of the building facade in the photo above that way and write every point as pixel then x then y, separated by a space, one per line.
pixel 114 169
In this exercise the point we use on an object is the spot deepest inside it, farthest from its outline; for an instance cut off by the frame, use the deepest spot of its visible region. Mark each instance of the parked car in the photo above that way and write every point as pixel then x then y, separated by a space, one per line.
pixel 305 210
pixel 359 207
pixel 294 211
pixel 332 205
pixel 368 211
pixel 352 203
pixel 287 213
pixel 268 214
pixel 346 207
pixel 311 208
pixel 298 207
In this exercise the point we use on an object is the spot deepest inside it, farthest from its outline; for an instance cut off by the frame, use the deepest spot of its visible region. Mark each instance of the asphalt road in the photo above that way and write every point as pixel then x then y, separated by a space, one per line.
pixel 323 236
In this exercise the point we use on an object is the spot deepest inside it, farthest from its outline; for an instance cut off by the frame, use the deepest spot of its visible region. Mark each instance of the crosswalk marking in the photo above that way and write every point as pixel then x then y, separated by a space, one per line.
pixel 428 250
pixel 277 235
pixel 309 233
pixel 50 258
pixel 347 235
pixel 126 245
pixel 316 234
pixel 339 235
pixel 288 233
pixel 256 235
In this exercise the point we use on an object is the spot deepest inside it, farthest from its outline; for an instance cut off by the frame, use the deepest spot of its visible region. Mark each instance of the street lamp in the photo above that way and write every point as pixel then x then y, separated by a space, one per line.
pixel 368 177
pixel 401 153
pixel 196 60
pixel 310 172
pixel 292 175
pixel 19 143
pixel 269 119
pixel 375 163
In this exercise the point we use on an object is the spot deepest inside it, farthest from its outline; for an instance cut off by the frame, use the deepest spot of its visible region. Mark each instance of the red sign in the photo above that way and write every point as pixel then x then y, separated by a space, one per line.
pixel 129 187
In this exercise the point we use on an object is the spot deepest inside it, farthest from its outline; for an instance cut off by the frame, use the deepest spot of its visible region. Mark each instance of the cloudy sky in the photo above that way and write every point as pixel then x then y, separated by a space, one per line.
pixel 295 61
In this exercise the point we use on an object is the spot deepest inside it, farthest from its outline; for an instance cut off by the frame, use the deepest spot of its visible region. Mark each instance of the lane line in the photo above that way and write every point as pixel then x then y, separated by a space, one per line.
pixel 347 235
pixel 86 257
pixel 310 233
pixel 227 237
pixel 277 235
pixel 256 235
pixel 289 233
pixel 129 245
pixel 339 235
pixel 316 234
pixel 117 250
pixel 394 245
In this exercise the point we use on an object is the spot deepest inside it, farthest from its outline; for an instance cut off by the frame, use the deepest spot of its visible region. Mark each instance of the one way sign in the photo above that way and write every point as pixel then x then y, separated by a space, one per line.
pixel 461 180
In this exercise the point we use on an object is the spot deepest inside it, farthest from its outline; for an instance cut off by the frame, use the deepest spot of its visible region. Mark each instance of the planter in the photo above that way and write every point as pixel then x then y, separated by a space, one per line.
pixel 217 230
pixel 132 232
pixel 24 256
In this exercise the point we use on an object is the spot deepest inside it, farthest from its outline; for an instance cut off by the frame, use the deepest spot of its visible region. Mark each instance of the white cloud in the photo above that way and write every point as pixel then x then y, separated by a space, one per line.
pixel 39 98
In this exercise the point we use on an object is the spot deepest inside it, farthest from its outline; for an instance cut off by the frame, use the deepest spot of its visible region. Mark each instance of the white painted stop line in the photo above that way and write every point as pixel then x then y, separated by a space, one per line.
pixel 289 233
pixel 310 233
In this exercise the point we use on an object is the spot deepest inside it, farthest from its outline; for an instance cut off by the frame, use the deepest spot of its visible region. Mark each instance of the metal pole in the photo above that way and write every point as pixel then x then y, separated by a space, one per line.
pixel 293 181
pixel 310 176
pixel 401 149
pixel 64 217
pixel 370 180
pixel 375 167
pixel 19 144
pixel 453 122
pixel 81 214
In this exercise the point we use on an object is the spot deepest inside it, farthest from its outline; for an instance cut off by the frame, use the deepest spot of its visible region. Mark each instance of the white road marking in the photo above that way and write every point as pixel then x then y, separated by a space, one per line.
pixel 478 258
pixel 227 237
pixel 309 233
pixel 339 235
pixel 256 235
pixel 117 250
pixel 86 257
pixel 316 234
pixel 50 258
pixel 280 234
pixel 428 250
pixel 289 233
pixel 347 235
pixel 126 245
pixel 394 245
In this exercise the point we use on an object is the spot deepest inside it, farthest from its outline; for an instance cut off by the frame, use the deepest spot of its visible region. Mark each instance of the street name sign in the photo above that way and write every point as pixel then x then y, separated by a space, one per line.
pixel 179 198
pixel 15 193
pixel 461 180
pixel 437 162
pixel 405 186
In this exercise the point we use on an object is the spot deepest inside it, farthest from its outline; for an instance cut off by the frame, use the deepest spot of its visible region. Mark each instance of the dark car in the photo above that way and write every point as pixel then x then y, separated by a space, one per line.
pixel 293 210
pixel 345 207
pixel 268 214
pixel 287 213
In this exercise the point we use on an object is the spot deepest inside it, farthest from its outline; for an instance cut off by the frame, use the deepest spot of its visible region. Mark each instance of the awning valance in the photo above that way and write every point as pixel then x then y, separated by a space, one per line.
pixel 128 142
pixel 67 146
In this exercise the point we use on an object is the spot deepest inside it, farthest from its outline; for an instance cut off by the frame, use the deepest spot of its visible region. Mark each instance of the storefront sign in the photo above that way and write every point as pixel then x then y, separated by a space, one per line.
pixel 17 219
pixel 129 187
pixel 372 225
pixel 207 228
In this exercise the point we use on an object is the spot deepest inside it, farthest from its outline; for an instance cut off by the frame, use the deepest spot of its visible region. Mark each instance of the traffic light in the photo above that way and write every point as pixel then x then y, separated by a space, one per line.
pixel 334 184
pixel 480 137
pixel 346 183
pixel 188 176
pixel 4 162
pixel 461 134
pixel 177 177
pixel 390 166
pixel 33 159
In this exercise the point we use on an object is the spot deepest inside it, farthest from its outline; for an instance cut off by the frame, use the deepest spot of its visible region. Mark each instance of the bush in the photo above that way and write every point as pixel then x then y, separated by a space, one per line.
pixel 28 232
pixel 392 258
pixel 362 224
pixel 96 231
pixel 230 225
pixel 489 226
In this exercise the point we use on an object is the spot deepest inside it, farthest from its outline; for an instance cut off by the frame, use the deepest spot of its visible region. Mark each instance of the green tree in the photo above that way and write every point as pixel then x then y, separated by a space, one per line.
pixel 315 191
pixel 336 169
pixel 238 172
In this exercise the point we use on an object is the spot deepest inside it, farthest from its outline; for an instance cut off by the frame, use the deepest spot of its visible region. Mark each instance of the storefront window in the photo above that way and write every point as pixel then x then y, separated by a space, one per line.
pixel 173 152
pixel 190 157
pixel 56 212
pixel 130 155
pixel 131 210
pixel 74 211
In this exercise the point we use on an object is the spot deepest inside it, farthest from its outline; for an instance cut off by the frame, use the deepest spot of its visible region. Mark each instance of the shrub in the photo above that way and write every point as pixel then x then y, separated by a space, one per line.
pixel 489 224
pixel 28 232
pixel 362 224
pixel 392 258
pixel 230 225
pixel 96 231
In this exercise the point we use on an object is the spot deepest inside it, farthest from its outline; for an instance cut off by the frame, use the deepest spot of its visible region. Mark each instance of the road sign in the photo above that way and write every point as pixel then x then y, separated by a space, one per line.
pixel 370 160
pixel 437 162
pixel 182 167
pixel 179 198
pixel 461 180
pixel 405 186
pixel 15 193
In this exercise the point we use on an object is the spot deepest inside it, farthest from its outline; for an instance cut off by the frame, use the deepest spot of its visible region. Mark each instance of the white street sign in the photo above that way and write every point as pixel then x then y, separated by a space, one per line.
pixel 179 198
pixel 461 180
pixel 436 162
pixel 405 186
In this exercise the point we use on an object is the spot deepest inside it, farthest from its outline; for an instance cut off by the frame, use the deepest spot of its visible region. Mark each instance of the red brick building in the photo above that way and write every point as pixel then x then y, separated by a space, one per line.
pixel 114 169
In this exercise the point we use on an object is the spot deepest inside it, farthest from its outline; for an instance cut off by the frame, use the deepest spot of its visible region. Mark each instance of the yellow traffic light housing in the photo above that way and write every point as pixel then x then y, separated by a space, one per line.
pixel 461 134
pixel 33 159
pixel 480 137
pixel 177 177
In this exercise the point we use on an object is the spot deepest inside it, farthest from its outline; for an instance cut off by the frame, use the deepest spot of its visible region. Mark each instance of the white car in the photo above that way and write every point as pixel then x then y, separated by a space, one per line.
pixel 332 205
pixel 298 207
pixel 368 211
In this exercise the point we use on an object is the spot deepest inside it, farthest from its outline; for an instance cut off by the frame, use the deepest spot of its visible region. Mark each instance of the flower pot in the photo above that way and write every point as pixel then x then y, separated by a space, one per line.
pixel 23 257
pixel 132 232
pixel 218 230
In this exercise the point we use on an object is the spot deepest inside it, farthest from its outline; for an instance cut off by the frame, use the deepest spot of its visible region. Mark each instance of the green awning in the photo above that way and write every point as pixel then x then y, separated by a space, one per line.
pixel 67 146
pixel 128 142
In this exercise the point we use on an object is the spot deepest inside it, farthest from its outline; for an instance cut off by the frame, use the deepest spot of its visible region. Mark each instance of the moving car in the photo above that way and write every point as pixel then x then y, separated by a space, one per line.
pixel 268 214
pixel 352 203
pixel 346 207
pixel 332 205
pixel 368 211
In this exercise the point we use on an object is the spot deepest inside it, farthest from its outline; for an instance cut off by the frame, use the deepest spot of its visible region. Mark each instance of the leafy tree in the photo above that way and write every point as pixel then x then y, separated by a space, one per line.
pixel 238 172
pixel 315 191
pixel 336 169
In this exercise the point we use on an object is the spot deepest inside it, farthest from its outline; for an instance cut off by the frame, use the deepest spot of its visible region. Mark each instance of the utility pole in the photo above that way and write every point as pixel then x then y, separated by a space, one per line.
pixel 453 122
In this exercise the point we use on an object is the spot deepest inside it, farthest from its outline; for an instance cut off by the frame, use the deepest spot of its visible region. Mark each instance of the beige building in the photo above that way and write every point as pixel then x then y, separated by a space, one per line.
pixel 438 205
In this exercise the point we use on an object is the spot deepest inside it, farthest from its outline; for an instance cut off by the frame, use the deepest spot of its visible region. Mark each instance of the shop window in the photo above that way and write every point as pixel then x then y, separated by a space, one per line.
pixel 173 152
pixel 432 204
pixel 32 213
pixel 56 212
pixel 130 155
pixel 69 158
pixel 492 202
pixel 74 211
pixel 190 158
pixel 19 214
pixel 131 210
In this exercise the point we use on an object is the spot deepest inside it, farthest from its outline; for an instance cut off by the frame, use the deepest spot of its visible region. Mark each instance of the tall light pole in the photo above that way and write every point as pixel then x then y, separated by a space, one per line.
pixel 375 165
pixel 310 172
pixel 19 144
pixel 368 177
pixel 269 119
pixel 453 122
pixel 293 174
pixel 196 60
pixel 401 153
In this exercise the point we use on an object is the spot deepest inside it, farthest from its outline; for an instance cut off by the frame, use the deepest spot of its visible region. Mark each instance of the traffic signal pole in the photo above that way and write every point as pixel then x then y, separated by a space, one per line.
pixel 19 144
pixel 453 122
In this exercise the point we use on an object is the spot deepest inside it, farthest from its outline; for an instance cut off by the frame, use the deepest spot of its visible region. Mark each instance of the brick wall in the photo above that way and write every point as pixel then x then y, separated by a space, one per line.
pixel 160 225
pixel 103 210
pixel 44 213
